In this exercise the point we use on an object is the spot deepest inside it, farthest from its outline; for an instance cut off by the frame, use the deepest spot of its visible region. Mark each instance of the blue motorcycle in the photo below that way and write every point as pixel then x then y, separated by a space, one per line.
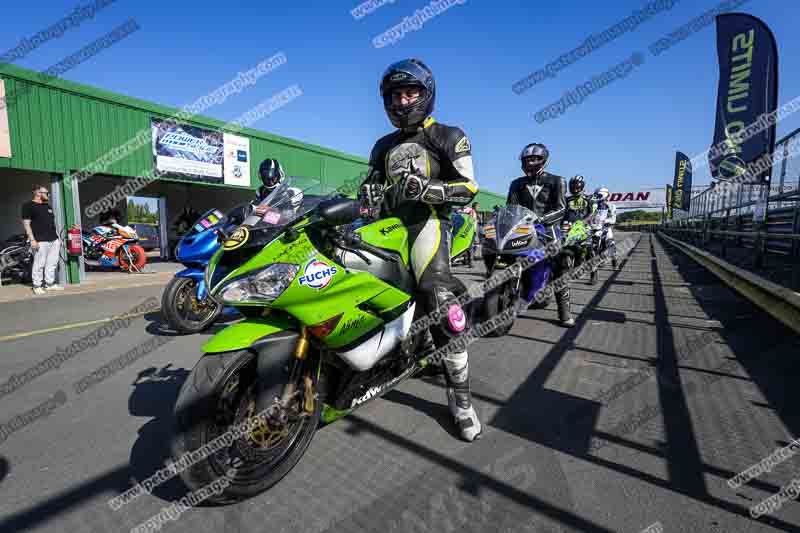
pixel 186 305
pixel 513 234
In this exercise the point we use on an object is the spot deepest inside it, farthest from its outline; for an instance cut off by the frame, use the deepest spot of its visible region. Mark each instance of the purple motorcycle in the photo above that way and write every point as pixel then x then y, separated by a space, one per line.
pixel 515 233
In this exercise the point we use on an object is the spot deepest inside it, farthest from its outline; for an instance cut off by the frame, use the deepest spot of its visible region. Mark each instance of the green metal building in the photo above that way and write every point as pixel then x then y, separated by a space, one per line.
pixel 51 129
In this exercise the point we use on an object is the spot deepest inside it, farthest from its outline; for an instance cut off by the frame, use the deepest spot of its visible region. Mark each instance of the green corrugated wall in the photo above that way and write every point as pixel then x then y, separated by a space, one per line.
pixel 59 126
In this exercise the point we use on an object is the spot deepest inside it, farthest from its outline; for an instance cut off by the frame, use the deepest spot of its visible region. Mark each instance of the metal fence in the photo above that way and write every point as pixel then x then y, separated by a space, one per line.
pixel 720 220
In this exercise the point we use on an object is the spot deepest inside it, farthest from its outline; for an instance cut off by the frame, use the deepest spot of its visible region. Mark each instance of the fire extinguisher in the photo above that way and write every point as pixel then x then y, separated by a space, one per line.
pixel 74 241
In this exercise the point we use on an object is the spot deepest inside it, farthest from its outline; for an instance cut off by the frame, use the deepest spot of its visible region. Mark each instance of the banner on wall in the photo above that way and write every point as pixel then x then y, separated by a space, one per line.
pixel 188 151
pixel 237 160
pixel 5 134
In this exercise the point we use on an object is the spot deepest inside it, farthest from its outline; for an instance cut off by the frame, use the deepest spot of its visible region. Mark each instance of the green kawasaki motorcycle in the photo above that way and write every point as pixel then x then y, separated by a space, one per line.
pixel 327 329
pixel 577 245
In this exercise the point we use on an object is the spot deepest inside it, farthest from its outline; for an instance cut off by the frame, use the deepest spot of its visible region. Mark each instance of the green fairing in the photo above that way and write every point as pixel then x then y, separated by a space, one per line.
pixel 462 240
pixel 388 233
pixel 357 298
pixel 243 334
pixel 578 233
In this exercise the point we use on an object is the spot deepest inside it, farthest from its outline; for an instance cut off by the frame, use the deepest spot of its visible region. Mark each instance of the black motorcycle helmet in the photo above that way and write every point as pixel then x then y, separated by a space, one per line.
pixel 408 73
pixel 534 158
pixel 577 184
pixel 271 174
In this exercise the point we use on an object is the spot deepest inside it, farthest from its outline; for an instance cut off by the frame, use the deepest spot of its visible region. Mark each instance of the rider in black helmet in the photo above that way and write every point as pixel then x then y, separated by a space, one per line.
pixel 428 166
pixel 544 194
pixel 271 173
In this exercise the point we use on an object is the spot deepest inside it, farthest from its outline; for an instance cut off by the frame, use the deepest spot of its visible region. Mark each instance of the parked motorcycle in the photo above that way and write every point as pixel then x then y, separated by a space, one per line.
pixel 16 260
pixel 327 330
pixel 113 246
pixel 463 236
pixel 515 232
pixel 185 304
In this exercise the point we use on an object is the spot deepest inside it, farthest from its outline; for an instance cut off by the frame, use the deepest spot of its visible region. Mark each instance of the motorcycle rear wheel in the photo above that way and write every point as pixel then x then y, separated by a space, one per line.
pixel 217 394
pixel 138 258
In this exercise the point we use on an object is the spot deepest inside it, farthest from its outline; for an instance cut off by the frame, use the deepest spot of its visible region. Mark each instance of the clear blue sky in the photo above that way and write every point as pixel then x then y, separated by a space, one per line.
pixel 623 136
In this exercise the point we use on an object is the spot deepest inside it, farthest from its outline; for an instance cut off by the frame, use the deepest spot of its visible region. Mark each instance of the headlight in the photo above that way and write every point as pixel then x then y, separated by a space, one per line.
pixel 262 286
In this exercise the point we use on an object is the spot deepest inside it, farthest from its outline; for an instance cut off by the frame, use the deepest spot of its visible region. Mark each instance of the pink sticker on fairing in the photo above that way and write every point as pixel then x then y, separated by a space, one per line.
pixel 272 217
pixel 456 318
pixel 205 223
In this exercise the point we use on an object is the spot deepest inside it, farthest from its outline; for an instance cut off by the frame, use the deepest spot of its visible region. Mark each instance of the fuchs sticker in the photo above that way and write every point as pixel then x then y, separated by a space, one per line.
pixel 317 274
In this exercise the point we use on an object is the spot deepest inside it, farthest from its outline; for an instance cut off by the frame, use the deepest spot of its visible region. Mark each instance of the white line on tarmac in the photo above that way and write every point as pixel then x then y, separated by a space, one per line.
pixel 72 326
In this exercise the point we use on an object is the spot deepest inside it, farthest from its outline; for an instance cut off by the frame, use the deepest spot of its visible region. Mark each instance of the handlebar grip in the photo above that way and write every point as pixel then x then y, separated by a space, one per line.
pixel 374 250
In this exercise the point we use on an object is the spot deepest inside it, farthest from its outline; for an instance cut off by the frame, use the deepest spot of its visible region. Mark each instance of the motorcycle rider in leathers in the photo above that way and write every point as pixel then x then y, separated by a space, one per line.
pixel 602 194
pixel 544 194
pixel 419 173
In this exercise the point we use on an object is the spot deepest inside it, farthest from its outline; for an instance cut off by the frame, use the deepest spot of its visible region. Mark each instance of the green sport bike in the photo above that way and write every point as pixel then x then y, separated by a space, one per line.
pixel 577 244
pixel 327 329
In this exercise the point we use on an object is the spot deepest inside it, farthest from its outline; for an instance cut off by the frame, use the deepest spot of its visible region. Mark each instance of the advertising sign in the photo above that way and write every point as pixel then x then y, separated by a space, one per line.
pixel 5 135
pixel 237 160
pixel 637 199
pixel 188 151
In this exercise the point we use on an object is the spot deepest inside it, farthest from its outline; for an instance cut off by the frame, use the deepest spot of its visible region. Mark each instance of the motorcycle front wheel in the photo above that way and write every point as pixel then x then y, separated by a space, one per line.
pixel 183 311
pixel 496 302
pixel 220 394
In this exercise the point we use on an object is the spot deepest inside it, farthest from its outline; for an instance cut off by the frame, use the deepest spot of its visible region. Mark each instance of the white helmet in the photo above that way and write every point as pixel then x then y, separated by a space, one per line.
pixel 602 193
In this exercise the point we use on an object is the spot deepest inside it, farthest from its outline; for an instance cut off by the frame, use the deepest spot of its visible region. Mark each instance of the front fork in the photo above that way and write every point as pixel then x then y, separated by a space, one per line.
pixel 297 368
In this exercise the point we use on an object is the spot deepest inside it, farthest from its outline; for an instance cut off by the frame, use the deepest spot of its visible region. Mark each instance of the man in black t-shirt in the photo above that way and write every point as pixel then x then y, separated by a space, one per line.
pixel 40 225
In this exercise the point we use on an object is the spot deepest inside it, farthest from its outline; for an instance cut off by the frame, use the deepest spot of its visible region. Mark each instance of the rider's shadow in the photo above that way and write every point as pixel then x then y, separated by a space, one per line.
pixel 437 411
pixel 154 395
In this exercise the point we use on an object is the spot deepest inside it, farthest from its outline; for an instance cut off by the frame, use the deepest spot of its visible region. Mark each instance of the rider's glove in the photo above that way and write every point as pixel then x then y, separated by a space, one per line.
pixel 413 185
pixel 371 194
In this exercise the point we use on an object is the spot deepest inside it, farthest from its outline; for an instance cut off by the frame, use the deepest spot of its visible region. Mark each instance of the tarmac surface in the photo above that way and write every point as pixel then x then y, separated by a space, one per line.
pixel 669 385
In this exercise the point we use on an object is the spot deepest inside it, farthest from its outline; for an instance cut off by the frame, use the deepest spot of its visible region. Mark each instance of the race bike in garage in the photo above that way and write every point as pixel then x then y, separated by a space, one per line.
pixel 113 246
pixel 16 260
pixel 515 233
pixel 328 329
pixel 185 303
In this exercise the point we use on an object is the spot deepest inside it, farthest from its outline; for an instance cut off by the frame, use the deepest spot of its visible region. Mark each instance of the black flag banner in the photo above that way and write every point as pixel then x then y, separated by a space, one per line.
pixel 748 89
pixel 669 202
pixel 682 183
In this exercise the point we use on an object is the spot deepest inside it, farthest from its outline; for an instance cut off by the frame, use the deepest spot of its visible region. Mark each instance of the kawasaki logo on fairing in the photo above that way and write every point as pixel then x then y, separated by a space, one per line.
pixel 389 229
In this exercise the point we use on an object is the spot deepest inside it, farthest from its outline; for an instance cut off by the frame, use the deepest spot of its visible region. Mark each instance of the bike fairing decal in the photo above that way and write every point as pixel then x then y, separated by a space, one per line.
pixel 237 239
pixel 317 274
pixel 377 390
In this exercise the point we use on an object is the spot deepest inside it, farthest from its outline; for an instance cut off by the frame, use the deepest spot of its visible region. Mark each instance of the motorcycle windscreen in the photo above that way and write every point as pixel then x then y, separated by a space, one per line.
pixel 513 222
